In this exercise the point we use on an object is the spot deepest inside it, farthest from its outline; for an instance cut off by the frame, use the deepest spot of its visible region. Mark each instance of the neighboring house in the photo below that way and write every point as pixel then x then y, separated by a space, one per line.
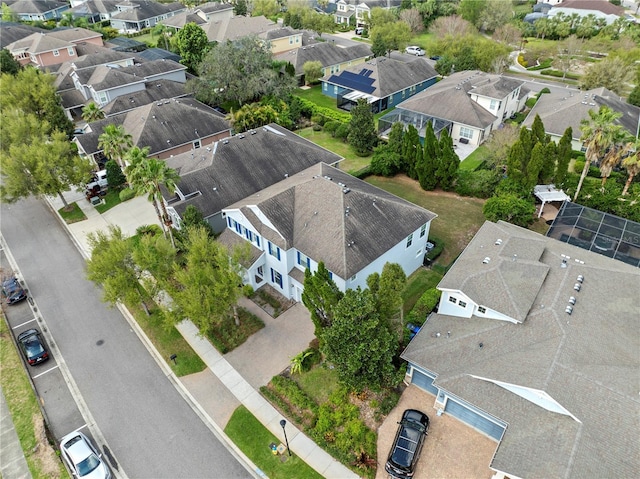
pixel 234 28
pixel 382 81
pixel 345 9
pixel 168 127
pixel 105 83
pixel 124 44
pixel 158 54
pixel 560 110
pixel 332 58
pixel 94 11
pixel 469 104
pixel 535 344
pixel 600 9
pixel 324 214
pixel 205 13
pixel 44 49
pixel 135 16
pixel 154 91
pixel 38 10
pixel 213 178
pixel 11 32
pixel 282 39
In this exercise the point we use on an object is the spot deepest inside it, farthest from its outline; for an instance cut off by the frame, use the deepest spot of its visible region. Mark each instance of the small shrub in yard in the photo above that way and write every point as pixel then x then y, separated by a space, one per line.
pixel 151 230
pixel 288 388
pixel 427 302
pixel 317 127
pixel 479 183
pixel 126 194
pixel 342 131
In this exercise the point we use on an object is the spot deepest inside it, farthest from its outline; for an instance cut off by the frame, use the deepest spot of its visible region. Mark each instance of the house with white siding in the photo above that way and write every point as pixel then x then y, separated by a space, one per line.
pixel 324 214
pixel 536 344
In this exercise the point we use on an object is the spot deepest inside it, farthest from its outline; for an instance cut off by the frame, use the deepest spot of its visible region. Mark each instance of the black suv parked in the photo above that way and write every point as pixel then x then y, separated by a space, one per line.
pixel 407 444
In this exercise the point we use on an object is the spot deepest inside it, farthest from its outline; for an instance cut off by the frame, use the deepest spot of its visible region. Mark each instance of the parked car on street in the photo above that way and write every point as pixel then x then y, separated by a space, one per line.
pixel 82 457
pixel 359 30
pixel 407 445
pixel 414 50
pixel 33 347
pixel 13 291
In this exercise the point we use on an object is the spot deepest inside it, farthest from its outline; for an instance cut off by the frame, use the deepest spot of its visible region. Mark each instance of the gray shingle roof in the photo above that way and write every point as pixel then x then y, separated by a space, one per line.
pixel 390 75
pixel 314 215
pixel 38 43
pixel 600 5
pixel 153 124
pixel 12 32
pixel 450 98
pixel 146 10
pixel 35 6
pixel 73 35
pixel 237 27
pixel 558 111
pixel 154 91
pixel 588 361
pixel 242 167
pixel 326 53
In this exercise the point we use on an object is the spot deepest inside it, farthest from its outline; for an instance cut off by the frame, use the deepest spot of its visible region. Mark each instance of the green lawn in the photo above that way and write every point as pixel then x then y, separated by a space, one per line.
pixel 459 217
pixel 111 199
pixel 72 213
pixel 315 95
pixel 475 159
pixel 24 410
pixel 255 444
pixel 351 162
pixel 319 383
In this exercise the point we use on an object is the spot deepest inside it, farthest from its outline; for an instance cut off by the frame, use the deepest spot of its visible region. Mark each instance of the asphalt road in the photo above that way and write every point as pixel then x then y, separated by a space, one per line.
pixel 150 429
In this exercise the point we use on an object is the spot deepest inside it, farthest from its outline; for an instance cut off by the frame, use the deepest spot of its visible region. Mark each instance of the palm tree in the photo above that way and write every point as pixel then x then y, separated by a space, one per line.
pixel 115 143
pixel 146 176
pixel 622 144
pixel 597 132
pixel 92 112
pixel 632 164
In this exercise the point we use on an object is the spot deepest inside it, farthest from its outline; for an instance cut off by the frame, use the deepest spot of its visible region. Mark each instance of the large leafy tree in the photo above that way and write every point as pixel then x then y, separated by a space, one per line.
pixel 206 289
pixel 33 91
pixel 192 44
pixel 147 176
pixel 312 71
pixel 8 64
pixel 360 344
pixel 509 208
pixel 597 133
pixel 33 162
pixel 239 72
pixel 115 142
pixel 388 295
pixel 395 35
pixel 362 130
pixel 611 73
pixel 320 296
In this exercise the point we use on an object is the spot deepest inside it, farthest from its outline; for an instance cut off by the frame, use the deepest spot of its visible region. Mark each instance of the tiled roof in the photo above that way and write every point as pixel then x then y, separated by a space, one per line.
pixel 331 216
pixel 390 76
pixel 238 167
pixel 587 362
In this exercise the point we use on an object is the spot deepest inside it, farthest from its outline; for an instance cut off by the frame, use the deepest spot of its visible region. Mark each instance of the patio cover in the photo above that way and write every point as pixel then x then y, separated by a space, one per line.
pixel 548 193
pixel 356 95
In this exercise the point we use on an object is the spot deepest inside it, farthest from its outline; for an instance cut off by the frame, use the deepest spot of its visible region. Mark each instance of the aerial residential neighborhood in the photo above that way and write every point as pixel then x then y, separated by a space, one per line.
pixel 343 239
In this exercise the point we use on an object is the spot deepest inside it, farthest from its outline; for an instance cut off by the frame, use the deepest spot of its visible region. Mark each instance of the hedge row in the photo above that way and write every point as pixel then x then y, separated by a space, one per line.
pixel 288 388
pixel 327 114
pixel 559 74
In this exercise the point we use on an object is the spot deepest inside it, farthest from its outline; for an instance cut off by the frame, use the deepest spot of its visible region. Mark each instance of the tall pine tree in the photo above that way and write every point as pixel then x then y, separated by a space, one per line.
pixel 395 137
pixel 515 161
pixel 563 157
pixel 362 130
pixel 428 165
pixel 549 163
pixel 410 145
pixel 535 165
pixel 449 162
pixel 537 132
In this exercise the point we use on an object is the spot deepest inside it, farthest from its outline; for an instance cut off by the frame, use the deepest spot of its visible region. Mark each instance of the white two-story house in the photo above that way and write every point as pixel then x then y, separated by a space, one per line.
pixel 324 214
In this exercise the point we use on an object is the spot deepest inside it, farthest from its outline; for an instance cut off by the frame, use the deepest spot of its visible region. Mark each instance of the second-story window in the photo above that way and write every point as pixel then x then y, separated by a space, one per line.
pixel 303 260
pixel 274 250
pixel 56 53
pixel 409 240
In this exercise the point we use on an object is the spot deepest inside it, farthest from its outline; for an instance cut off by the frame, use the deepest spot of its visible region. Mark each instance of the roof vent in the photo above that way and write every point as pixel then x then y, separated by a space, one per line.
pixel 224 142
pixel 572 300
pixel 580 278
pixel 486 260
pixel 286 175
pixel 241 136
pixel 346 190
pixel 208 148
pixel 577 287
pixel 569 310
pixel 253 132
pixel 498 242
pixel 564 263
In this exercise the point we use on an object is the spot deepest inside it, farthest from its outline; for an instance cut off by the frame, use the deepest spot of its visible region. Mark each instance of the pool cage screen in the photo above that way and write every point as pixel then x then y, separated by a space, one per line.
pixel 418 120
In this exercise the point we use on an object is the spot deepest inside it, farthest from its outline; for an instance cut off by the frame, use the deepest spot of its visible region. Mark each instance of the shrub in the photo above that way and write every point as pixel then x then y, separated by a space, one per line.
pixel 332 126
pixel 559 74
pixel 342 131
pixel 126 194
pixel 435 252
pixel 317 127
pixel 479 184
pixel 427 302
pixel 151 230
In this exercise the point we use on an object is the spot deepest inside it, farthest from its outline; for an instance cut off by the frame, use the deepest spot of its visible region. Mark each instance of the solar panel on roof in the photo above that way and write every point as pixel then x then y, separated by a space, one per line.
pixel 353 81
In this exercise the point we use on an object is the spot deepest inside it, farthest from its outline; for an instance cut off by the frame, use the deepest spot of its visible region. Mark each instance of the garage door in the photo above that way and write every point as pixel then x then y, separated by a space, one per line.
pixel 424 382
pixel 474 419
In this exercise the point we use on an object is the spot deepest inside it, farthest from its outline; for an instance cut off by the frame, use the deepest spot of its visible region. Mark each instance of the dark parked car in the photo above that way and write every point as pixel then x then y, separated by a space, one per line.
pixel 13 291
pixel 407 444
pixel 33 347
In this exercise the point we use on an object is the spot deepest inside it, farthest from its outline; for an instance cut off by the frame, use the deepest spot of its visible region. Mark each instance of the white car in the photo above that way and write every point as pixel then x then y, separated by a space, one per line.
pixel 414 50
pixel 82 458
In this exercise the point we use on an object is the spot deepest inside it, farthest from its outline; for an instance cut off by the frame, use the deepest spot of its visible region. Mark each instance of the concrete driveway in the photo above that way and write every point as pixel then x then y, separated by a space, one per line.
pixel 452 450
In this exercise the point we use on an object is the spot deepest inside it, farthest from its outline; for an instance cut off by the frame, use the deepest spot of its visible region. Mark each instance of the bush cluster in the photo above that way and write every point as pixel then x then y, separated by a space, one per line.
pixel 311 110
pixel 427 303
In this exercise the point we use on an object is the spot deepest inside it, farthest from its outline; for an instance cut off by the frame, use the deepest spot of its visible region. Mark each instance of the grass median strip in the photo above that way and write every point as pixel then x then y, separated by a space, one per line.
pixel 256 446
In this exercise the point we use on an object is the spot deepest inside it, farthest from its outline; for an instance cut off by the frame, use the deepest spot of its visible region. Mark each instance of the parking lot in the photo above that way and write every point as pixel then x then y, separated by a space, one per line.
pixel 452 450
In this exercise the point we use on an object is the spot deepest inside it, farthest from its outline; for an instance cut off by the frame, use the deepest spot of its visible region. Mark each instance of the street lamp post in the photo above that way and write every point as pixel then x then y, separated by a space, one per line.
pixel 283 423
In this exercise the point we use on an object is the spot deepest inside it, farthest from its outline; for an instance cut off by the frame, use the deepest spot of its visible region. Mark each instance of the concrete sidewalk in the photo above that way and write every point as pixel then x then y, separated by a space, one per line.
pixel 13 464
pixel 219 389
